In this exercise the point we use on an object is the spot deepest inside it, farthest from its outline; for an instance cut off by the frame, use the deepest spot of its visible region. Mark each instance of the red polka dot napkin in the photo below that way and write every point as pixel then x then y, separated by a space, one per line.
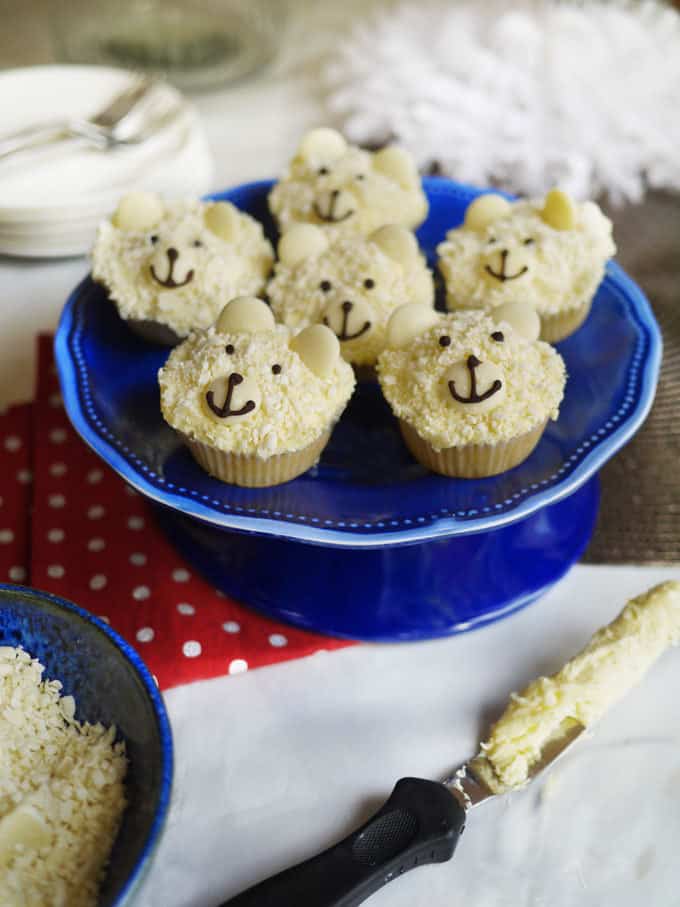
pixel 93 540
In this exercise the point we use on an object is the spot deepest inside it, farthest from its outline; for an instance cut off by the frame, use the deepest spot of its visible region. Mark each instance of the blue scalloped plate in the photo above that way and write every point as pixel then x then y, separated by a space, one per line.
pixel 367 491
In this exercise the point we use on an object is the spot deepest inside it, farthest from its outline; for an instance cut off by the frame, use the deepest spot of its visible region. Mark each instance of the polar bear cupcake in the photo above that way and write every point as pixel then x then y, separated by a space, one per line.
pixel 345 189
pixel 171 266
pixel 352 285
pixel 550 253
pixel 255 404
pixel 472 394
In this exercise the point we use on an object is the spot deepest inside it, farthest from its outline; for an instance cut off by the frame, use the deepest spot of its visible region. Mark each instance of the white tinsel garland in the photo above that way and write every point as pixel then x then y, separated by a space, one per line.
pixel 527 94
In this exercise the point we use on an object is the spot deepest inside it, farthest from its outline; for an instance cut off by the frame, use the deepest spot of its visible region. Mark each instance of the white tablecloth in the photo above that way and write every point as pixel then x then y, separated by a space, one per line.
pixel 279 763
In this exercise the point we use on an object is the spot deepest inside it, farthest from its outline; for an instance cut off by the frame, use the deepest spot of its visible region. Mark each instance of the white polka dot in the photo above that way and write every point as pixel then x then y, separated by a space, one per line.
pixel 278 640
pixel 238 666
pixel 56 571
pixel 55 399
pixel 96 544
pixel 24 476
pixel 96 512
pixel 130 491
pixel 138 559
pixel 231 626
pixel 57 469
pixel 56 535
pixel 146 634
pixel 191 648
pixel 219 593
pixel 56 500
pixel 104 618
pixel 180 575
pixel 17 574
pixel 98 581
pixel 12 443
pixel 140 593
pixel 135 522
pixel 186 608
pixel 94 476
pixel 57 435
pixel 6 536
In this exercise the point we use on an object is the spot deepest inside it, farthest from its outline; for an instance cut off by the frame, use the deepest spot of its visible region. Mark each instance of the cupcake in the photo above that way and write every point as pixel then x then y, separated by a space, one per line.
pixel 171 266
pixel 550 253
pixel 254 403
pixel 472 393
pixel 345 189
pixel 352 285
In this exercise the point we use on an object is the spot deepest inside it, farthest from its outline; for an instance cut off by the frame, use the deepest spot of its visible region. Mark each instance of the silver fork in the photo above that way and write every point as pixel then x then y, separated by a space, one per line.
pixel 102 130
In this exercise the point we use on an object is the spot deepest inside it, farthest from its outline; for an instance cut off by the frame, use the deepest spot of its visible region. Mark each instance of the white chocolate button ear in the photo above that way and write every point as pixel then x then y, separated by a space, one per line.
pixel 396 242
pixel 521 317
pixel 398 165
pixel 322 144
pixel 222 219
pixel 558 210
pixel 407 322
pixel 319 349
pixel 300 242
pixel 138 211
pixel 472 386
pixel 245 314
pixel 484 210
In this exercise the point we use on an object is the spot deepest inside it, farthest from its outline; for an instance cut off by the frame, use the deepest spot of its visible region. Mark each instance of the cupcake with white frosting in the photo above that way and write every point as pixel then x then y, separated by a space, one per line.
pixel 472 393
pixel 550 253
pixel 255 403
pixel 170 266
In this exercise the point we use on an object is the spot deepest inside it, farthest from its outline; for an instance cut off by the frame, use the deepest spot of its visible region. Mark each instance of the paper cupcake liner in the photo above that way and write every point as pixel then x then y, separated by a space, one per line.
pixel 471 461
pixel 154 331
pixel 251 471
pixel 556 327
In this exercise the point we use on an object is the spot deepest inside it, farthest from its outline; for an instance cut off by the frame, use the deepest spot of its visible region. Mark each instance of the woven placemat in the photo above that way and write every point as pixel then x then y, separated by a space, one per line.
pixel 639 520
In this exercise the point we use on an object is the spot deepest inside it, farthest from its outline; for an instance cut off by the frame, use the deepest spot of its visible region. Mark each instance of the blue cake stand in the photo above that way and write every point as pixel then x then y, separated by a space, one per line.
pixel 369 544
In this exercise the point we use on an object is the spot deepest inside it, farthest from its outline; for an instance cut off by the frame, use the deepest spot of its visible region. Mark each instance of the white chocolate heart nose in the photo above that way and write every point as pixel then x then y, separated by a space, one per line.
pixel 231 398
pixel 172 266
pixel 334 206
pixel 502 263
pixel 472 386
pixel 348 319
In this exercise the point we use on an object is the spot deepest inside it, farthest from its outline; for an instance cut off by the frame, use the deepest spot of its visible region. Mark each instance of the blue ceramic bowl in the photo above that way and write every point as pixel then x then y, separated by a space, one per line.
pixel 111 684
pixel 367 490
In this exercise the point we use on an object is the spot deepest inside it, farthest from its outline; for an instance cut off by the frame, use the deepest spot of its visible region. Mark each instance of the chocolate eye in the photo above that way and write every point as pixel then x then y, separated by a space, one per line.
pixel 444 340
pixel 197 244
pixel 154 239
pixel 229 349
pixel 323 171
pixel 369 283
pixel 491 240
pixel 360 176
pixel 325 285
pixel 529 241
pixel 498 336
pixel 276 369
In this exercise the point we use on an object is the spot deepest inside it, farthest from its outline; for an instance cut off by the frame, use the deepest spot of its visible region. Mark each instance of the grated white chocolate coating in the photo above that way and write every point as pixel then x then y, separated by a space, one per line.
pixel 297 299
pixel 375 198
pixel 295 407
pixel 564 267
pixel 413 380
pixel 615 659
pixel 222 268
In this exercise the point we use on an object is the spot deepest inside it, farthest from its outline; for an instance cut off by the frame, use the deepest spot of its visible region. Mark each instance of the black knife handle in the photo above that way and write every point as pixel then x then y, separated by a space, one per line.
pixel 420 823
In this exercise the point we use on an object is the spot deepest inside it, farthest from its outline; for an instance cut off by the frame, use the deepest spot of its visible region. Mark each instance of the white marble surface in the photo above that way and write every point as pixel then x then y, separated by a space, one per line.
pixel 277 764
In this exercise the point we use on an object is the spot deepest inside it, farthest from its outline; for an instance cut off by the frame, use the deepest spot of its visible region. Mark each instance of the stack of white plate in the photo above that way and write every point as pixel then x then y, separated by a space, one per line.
pixel 53 197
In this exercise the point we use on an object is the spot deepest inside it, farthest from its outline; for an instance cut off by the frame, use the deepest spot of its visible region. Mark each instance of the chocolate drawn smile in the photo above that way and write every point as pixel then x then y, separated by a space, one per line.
pixel 502 276
pixel 170 283
pixel 473 397
pixel 347 307
pixel 224 411
pixel 330 217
